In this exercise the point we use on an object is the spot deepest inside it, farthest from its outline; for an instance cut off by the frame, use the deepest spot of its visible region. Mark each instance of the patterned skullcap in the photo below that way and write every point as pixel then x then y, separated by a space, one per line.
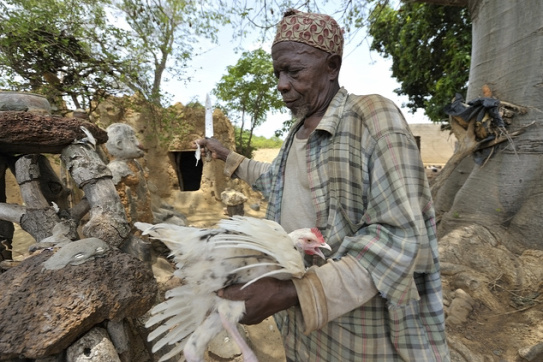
pixel 318 30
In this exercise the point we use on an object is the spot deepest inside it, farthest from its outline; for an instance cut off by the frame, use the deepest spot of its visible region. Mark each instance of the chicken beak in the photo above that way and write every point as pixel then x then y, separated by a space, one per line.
pixel 319 252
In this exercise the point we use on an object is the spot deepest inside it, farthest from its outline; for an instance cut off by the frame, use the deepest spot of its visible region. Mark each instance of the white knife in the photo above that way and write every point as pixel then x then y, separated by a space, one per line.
pixel 208 124
pixel 209 118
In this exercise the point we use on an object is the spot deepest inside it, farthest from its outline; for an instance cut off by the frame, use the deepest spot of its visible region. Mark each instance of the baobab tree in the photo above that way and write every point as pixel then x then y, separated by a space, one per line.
pixel 488 202
pixel 503 193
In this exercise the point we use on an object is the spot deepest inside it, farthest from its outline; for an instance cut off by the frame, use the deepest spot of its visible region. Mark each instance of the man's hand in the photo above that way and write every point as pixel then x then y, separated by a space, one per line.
pixel 263 298
pixel 218 151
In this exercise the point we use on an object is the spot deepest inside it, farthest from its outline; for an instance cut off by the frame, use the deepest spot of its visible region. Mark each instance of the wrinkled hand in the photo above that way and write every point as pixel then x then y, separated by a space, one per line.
pixel 214 146
pixel 263 298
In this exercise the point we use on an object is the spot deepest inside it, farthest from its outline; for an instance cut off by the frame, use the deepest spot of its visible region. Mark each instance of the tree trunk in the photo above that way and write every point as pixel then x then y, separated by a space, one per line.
pixel 107 216
pixel 505 192
pixel 6 226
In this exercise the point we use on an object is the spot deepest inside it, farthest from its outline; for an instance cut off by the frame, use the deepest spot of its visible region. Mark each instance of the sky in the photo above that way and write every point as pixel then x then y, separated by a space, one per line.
pixel 362 72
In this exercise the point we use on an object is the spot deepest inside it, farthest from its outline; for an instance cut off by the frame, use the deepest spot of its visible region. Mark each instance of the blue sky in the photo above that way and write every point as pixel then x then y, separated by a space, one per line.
pixel 363 72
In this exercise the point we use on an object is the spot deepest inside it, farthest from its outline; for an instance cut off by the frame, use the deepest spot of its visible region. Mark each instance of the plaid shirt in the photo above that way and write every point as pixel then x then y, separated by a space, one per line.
pixel 373 202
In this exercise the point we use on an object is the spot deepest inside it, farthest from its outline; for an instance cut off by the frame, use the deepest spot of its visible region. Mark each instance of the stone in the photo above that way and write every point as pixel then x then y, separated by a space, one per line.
pixel 24 102
pixel 95 346
pixel 76 253
pixel 162 269
pixel 460 307
pixel 118 335
pixel 233 198
pixel 224 347
pixel 532 353
pixel 28 133
pixel 45 311
pixel 168 214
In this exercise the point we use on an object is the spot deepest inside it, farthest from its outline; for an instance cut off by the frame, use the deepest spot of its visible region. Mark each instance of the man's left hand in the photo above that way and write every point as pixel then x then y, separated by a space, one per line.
pixel 263 298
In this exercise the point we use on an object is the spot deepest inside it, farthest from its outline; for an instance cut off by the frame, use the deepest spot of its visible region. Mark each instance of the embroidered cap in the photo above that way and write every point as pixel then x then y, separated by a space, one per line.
pixel 317 30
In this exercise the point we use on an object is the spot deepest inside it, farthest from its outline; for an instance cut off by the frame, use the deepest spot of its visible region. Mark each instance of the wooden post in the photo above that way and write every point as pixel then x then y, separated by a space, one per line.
pixel 39 217
pixel 6 227
pixel 107 216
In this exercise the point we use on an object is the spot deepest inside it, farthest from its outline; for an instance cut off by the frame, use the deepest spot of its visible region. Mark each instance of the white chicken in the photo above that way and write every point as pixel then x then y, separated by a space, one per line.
pixel 239 250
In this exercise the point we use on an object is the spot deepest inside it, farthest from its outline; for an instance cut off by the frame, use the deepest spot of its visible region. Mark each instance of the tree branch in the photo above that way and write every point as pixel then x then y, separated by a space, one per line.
pixel 12 212
pixel 441 2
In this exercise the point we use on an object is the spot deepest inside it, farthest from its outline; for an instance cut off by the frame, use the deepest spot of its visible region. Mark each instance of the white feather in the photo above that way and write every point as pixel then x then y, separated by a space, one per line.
pixel 238 250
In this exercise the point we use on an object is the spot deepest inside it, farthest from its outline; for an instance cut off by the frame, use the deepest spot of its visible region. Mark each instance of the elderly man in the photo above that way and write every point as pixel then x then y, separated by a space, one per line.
pixel 351 167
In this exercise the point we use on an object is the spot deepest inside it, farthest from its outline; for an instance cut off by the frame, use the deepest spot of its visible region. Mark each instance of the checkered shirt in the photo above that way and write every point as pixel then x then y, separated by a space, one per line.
pixel 372 199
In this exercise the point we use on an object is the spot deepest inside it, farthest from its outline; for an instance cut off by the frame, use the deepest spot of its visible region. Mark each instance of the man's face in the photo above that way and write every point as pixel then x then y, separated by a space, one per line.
pixel 303 77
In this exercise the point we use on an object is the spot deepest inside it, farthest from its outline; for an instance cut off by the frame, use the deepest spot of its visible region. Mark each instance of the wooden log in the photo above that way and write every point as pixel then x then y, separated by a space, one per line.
pixel 27 174
pixel 81 209
pixel 107 216
pixel 27 133
pixel 35 177
pixel 51 186
pixel 44 311
pixel 39 217
pixel 6 226
pixel 12 212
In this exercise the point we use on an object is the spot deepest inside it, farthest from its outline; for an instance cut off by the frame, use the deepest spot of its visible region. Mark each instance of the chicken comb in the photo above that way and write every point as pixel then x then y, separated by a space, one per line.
pixel 318 234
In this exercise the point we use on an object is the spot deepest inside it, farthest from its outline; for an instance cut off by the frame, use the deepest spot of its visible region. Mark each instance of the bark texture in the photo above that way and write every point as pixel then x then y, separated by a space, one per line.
pixel 26 133
pixel 107 216
pixel 505 192
pixel 44 311
pixel 442 2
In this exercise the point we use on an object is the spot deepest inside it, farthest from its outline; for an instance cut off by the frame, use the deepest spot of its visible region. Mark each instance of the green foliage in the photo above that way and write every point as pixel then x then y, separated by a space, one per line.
pixel 260 142
pixel 162 35
pixel 46 47
pixel 86 48
pixel 82 50
pixel 177 123
pixel 430 47
pixel 249 89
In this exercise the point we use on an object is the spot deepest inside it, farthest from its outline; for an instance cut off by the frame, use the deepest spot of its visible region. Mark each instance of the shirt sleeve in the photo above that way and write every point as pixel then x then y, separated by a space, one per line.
pixel 248 170
pixel 329 291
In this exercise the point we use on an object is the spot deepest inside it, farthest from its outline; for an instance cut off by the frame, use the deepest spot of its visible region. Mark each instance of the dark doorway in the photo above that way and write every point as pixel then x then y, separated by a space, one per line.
pixel 189 174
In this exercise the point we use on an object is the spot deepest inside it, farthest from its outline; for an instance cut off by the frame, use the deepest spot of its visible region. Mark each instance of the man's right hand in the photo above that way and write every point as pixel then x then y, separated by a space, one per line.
pixel 218 151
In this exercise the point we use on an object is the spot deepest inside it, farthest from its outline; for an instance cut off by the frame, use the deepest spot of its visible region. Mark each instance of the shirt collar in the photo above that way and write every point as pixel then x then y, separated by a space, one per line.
pixel 331 118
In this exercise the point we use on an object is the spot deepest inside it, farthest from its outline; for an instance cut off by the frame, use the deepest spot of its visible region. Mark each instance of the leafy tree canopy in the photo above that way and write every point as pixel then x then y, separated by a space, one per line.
pixel 248 89
pixel 42 52
pixel 430 47
pixel 83 48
